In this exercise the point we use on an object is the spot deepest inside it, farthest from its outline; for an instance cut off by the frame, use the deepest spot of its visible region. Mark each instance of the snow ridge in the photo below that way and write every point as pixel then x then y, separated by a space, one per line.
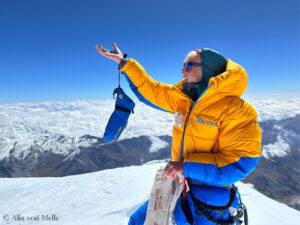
pixel 109 197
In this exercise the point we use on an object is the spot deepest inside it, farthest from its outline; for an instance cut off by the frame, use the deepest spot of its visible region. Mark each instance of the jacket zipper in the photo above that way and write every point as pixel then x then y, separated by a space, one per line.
pixel 186 122
pixel 185 125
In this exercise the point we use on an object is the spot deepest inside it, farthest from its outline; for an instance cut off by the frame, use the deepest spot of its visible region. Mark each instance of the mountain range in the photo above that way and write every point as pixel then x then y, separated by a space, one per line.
pixel 57 139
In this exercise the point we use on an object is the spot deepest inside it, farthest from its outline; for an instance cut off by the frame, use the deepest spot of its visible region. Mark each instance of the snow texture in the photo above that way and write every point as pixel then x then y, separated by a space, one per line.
pixel 108 197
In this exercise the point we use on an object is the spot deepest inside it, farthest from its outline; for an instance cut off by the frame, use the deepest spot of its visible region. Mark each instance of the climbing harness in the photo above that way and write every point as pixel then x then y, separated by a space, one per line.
pixel 235 214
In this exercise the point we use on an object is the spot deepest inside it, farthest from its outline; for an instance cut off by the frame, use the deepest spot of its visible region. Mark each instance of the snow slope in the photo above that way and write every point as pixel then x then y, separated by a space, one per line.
pixel 59 126
pixel 108 198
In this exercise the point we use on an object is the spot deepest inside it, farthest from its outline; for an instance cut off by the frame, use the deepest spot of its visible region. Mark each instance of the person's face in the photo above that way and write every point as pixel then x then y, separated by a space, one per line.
pixel 195 74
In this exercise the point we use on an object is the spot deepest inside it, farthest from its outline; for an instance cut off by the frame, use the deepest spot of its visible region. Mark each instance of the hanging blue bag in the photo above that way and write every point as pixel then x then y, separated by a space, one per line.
pixel 123 108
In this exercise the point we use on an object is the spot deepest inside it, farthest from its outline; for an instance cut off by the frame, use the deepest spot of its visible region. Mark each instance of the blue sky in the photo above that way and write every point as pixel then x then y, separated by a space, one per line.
pixel 47 47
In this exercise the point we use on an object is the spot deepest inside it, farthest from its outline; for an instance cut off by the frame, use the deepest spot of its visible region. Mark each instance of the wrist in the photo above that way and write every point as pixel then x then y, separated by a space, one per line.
pixel 122 63
pixel 119 60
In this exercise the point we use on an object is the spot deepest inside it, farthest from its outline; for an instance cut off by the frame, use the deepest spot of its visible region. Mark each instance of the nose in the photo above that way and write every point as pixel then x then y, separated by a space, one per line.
pixel 184 74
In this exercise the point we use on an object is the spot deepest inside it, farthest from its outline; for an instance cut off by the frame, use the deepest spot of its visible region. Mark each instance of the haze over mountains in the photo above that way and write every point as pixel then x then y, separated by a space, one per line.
pixel 65 138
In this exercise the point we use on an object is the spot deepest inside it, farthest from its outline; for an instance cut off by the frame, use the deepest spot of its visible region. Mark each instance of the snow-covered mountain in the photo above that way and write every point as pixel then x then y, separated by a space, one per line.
pixel 65 138
pixel 108 197
pixel 61 127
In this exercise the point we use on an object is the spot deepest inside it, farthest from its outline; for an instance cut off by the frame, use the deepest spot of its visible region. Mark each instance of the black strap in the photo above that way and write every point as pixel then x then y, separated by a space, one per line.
pixel 123 109
pixel 122 63
pixel 199 204
pixel 184 203
pixel 230 221
pixel 202 208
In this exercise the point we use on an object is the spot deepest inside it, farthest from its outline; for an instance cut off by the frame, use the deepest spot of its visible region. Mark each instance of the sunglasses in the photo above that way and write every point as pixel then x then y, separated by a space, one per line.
pixel 189 65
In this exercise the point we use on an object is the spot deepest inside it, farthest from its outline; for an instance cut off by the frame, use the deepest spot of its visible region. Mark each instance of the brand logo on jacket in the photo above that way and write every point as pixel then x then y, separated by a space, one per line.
pixel 206 122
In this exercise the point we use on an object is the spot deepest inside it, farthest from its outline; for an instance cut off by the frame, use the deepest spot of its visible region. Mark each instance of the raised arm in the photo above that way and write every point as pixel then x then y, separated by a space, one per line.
pixel 153 93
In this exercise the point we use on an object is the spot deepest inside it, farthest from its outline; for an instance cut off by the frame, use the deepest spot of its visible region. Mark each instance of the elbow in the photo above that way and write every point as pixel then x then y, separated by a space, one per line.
pixel 216 176
pixel 237 171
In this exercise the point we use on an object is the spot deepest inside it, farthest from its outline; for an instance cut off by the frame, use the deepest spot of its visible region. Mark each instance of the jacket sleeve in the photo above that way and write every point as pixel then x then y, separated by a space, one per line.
pixel 149 91
pixel 237 152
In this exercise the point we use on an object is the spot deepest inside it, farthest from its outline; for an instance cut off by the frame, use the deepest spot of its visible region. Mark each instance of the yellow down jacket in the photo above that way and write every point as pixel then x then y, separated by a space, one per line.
pixel 217 137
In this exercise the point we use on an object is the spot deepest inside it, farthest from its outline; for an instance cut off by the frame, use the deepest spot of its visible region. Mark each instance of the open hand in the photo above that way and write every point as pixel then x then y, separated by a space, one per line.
pixel 172 169
pixel 115 54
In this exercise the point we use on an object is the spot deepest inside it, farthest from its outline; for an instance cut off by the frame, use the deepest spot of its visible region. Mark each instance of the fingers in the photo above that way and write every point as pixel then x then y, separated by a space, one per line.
pixel 169 174
pixel 172 169
pixel 168 171
pixel 115 47
pixel 115 55
pixel 165 175
pixel 100 49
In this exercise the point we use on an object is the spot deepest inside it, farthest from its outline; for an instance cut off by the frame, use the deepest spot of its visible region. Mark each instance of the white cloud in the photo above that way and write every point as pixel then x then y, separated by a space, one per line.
pixel 279 148
pixel 157 144
pixel 43 124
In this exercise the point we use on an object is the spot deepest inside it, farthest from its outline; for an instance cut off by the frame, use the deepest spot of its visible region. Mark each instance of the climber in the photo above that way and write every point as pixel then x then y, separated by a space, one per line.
pixel 216 137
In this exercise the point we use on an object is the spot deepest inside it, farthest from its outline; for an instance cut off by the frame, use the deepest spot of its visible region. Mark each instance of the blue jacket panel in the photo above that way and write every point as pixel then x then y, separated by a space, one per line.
pixel 212 175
